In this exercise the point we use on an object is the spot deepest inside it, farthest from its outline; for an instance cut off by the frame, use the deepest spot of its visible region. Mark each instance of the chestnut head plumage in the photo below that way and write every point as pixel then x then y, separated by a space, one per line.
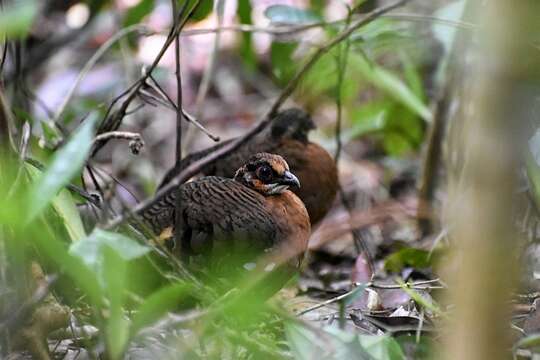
pixel 267 174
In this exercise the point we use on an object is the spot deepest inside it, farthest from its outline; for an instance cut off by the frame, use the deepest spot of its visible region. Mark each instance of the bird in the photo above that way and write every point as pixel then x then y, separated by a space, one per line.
pixel 287 136
pixel 231 223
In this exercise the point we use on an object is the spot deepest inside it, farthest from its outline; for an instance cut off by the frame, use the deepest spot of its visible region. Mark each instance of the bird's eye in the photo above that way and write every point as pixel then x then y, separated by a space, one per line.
pixel 264 173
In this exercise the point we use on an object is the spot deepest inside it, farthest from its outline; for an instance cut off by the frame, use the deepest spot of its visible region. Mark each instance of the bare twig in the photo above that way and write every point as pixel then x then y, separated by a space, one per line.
pixel 113 120
pixel 136 142
pixel 419 285
pixel 93 60
pixel 166 101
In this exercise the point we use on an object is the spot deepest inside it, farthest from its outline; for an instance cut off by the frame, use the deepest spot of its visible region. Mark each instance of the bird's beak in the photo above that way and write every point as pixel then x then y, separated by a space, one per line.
pixel 290 179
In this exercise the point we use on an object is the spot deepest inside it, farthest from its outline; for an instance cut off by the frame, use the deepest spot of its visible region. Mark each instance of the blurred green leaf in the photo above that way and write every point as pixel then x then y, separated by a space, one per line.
pixel 331 343
pixel 321 78
pixel 204 9
pixel 66 163
pixel 396 144
pixel 16 18
pixel 136 13
pixel 90 249
pixel 353 295
pixel 529 341
pixel 303 342
pixel 285 14
pixel 429 304
pixel 158 304
pixel 246 47
pixel 415 258
pixel 390 84
pixel 114 272
pixel 56 251
pixel 382 347
pixel 282 62
pixel 412 75
pixel 65 207
pixel 417 348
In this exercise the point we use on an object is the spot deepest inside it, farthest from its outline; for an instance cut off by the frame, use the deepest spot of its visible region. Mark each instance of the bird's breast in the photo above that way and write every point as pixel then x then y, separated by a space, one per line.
pixel 292 220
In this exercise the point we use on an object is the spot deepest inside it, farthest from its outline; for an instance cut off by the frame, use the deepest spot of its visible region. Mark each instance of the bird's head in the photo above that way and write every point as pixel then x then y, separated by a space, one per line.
pixel 267 174
pixel 292 123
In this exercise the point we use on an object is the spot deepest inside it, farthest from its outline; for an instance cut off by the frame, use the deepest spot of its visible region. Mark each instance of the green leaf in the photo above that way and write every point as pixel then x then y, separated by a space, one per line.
pixel 204 9
pixel 390 84
pixel 158 304
pixel 382 347
pixel 420 300
pixel 114 272
pixel 16 18
pixel 65 207
pixel 412 75
pixel 396 144
pixel 66 163
pixel 415 258
pixel 353 295
pixel 282 62
pixel 90 249
pixel 334 344
pixel 530 341
pixel 285 14
pixel 56 251
pixel 136 13
pixel 369 118
pixel 246 46
pixel 303 343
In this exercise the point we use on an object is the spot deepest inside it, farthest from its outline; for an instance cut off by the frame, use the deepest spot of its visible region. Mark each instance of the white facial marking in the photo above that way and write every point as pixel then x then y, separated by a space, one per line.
pixel 250 266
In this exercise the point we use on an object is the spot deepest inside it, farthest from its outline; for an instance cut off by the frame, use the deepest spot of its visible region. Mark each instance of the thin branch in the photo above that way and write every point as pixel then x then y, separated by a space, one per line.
pixel 195 167
pixel 93 60
pixel 113 121
pixel 136 142
pixel 419 285
pixel 167 102
pixel 278 30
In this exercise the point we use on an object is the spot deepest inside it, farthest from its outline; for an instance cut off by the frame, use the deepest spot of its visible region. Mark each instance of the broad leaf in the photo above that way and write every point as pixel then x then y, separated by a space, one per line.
pixel 282 63
pixel 17 17
pixel 390 84
pixel 204 9
pixel 66 163
pixel 90 249
pixel 158 304
pixel 416 258
pixel 136 13
pixel 114 272
pixel 331 343
pixel 246 46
